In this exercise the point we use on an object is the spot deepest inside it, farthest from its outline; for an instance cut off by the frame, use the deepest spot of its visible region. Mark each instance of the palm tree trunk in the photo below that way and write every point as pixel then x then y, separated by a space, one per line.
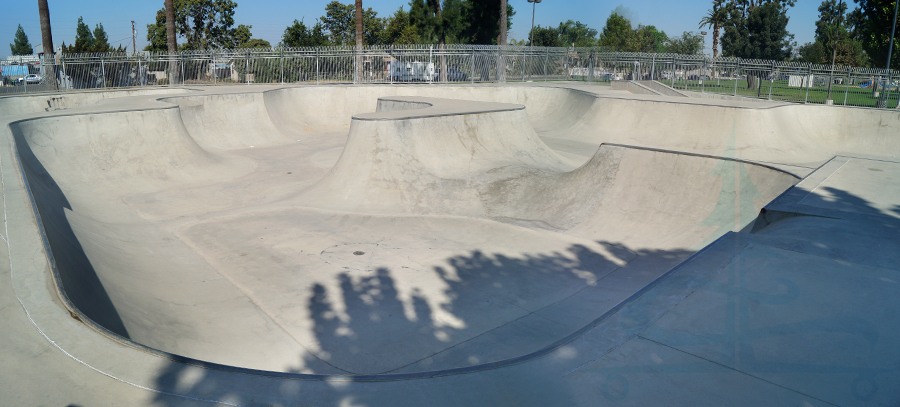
pixel 359 40
pixel 442 42
pixel 170 40
pixel 501 41
pixel 47 40
pixel 715 40
pixel 501 38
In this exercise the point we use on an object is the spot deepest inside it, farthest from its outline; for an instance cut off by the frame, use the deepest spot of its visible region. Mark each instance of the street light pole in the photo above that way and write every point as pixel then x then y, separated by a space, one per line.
pixel 828 100
pixel 883 102
pixel 531 34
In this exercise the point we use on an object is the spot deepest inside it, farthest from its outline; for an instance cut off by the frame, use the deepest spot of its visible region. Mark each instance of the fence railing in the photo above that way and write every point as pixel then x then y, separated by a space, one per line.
pixel 773 80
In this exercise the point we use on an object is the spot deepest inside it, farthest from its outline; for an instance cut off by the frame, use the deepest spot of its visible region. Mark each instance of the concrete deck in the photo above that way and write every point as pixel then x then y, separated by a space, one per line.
pixel 538 244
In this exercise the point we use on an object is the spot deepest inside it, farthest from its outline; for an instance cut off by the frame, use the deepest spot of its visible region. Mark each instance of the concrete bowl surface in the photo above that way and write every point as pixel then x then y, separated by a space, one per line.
pixel 390 232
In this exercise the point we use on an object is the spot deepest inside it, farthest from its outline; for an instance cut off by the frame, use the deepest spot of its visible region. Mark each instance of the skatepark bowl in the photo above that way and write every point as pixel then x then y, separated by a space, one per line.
pixel 554 244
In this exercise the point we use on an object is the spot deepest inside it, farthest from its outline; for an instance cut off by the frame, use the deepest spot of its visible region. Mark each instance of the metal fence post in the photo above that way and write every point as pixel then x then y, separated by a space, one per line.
pixel 103 72
pixel 317 66
pixel 546 60
pixel 62 75
pixel 281 63
pixel 673 73
pixel 590 75
pixel 702 70
pixel 652 66
pixel 524 50
pixel 181 60
pixel 736 76
pixel 473 66
pixel 772 81
pixel 847 85
pixel 808 85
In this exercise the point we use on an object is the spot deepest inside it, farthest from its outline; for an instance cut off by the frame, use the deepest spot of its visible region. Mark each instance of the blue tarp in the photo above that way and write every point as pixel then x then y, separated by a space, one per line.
pixel 13 70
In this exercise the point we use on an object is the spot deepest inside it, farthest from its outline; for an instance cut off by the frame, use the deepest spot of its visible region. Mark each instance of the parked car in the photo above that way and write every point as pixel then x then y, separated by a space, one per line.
pixel 30 78
pixel 610 77
pixel 453 75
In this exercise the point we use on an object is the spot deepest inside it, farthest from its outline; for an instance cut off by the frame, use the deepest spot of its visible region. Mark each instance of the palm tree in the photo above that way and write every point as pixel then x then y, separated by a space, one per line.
pixel 359 39
pixel 170 40
pixel 47 39
pixel 715 19
pixel 501 38
pixel 501 41
pixel 442 35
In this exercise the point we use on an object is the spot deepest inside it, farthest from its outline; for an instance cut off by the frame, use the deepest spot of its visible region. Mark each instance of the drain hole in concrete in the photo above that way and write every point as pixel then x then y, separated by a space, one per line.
pixel 358 253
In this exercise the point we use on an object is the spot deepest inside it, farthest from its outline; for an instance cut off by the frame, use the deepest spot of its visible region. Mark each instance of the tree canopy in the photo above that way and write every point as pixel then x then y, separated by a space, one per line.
pixel 757 29
pixel 299 35
pixel 872 25
pixel 90 41
pixel 828 36
pixel 20 45
pixel 689 43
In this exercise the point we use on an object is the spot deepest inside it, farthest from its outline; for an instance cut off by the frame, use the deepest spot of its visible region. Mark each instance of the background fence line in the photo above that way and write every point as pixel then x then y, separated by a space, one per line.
pixel 734 77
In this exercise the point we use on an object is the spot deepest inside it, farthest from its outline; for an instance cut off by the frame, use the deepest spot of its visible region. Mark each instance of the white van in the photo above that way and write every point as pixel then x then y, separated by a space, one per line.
pixel 412 71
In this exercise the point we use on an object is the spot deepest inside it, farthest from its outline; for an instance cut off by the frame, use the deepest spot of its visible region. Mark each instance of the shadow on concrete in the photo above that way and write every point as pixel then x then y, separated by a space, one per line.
pixel 629 378
pixel 368 301
pixel 76 274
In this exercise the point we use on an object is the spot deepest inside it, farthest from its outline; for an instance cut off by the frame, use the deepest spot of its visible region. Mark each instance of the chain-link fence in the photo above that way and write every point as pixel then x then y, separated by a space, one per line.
pixel 783 81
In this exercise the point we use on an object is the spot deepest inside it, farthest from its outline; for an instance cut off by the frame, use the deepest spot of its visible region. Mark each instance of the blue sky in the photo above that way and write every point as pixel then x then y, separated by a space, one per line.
pixel 270 17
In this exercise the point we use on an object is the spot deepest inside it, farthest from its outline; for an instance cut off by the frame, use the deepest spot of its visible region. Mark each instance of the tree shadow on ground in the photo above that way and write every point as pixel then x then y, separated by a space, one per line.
pixel 375 295
pixel 374 323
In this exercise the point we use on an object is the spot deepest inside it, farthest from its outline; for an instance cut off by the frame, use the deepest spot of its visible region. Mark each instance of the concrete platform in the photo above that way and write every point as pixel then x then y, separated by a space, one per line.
pixel 392 245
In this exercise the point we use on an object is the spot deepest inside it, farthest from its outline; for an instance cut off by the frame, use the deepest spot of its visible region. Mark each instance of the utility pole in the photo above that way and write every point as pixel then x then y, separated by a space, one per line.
pixel 882 103
pixel 837 30
pixel 133 43
pixel 531 34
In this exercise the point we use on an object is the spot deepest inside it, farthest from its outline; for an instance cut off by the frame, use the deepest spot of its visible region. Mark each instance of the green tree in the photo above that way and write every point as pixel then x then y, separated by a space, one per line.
pixel 576 32
pixel 544 37
pixel 715 18
pixel 689 43
pixel 617 32
pixel 483 21
pixel 255 43
pixel 20 45
pixel 399 29
pixel 340 23
pixel 828 36
pixel 84 40
pixel 813 52
pixel 205 23
pixel 101 40
pixel 647 39
pixel 156 33
pixel 298 35
pixel 240 36
pixel 874 21
pixel 757 29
